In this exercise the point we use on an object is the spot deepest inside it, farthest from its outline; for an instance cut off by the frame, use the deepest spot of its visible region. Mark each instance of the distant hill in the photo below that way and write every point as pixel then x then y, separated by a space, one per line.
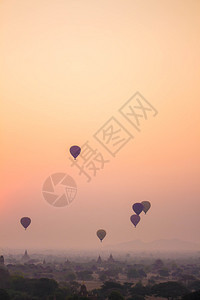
pixel 157 245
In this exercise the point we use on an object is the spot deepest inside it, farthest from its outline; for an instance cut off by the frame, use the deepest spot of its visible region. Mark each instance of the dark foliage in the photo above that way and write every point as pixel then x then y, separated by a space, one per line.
pixel 192 296
pixel 169 289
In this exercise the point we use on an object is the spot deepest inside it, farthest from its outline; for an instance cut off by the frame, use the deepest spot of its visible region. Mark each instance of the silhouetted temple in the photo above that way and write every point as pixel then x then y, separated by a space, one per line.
pixel 83 291
pixel 99 260
pixel 67 262
pixel 110 259
pixel 25 257
pixel 1 260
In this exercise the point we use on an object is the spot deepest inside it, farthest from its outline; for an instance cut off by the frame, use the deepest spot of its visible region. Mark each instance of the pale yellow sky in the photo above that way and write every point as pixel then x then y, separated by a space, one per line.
pixel 66 68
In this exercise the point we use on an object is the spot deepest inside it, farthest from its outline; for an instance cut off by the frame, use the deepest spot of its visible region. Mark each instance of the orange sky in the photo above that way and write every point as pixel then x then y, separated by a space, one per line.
pixel 66 68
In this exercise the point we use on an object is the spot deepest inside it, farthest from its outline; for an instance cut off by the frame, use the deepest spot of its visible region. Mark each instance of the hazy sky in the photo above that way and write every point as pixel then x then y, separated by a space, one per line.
pixel 66 67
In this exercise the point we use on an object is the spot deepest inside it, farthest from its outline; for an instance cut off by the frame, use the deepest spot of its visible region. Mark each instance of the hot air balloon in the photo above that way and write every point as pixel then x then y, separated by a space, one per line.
pixel 146 206
pixel 25 221
pixel 138 208
pixel 135 219
pixel 75 151
pixel 101 233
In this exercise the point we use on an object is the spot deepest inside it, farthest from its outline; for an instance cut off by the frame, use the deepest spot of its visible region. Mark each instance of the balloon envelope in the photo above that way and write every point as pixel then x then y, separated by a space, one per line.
pixel 101 233
pixel 135 219
pixel 25 221
pixel 146 206
pixel 138 208
pixel 75 151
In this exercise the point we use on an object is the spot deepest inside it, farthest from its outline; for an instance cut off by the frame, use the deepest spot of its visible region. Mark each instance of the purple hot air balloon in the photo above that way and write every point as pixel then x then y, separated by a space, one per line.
pixel 135 219
pixel 75 151
pixel 137 208
pixel 25 221
pixel 101 233
pixel 146 205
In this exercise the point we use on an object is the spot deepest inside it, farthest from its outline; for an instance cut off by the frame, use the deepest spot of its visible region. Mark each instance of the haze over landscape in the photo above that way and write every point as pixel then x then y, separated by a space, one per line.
pixel 100 143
